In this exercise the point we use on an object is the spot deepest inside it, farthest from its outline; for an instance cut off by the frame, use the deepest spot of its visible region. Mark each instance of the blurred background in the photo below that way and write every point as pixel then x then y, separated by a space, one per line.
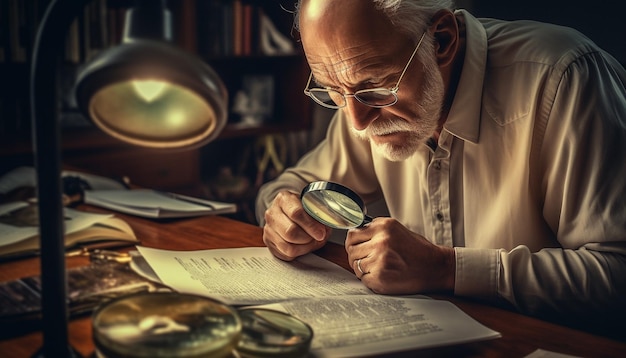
pixel 254 49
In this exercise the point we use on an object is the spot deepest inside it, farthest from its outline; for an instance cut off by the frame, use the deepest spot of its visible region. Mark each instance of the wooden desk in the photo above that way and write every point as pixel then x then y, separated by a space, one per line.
pixel 521 335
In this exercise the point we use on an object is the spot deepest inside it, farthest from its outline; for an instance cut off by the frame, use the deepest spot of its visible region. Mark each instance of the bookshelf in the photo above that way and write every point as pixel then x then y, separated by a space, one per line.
pixel 247 42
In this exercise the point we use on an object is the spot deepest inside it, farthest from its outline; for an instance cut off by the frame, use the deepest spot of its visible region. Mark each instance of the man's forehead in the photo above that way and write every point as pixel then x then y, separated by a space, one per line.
pixel 340 59
pixel 328 18
pixel 348 41
pixel 343 32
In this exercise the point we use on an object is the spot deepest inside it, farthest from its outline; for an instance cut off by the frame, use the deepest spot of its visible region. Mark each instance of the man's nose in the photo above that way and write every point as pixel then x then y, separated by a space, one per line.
pixel 360 115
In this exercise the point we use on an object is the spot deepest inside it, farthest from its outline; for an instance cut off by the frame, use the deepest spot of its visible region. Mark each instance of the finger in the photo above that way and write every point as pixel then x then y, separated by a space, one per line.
pixel 285 250
pixel 283 227
pixel 292 208
pixel 360 235
pixel 358 244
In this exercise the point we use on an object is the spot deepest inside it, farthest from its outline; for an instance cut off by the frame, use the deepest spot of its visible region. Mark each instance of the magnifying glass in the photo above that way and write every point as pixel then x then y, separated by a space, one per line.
pixel 171 324
pixel 334 205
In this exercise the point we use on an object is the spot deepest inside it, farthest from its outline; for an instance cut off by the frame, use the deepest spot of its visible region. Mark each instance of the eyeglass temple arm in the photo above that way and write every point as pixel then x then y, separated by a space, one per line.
pixel 397 86
pixel 306 88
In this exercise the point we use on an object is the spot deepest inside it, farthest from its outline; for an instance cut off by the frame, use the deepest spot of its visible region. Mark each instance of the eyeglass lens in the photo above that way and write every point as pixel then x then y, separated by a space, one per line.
pixel 372 97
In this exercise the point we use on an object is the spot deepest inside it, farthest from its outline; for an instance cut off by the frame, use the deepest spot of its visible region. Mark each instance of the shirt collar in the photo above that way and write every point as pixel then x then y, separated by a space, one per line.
pixel 464 116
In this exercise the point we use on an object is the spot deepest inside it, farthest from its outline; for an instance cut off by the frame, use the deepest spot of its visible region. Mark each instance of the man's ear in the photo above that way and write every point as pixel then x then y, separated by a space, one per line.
pixel 446 31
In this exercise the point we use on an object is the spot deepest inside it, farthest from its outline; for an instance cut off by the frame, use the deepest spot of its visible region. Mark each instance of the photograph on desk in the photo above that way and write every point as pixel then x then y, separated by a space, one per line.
pixel 88 287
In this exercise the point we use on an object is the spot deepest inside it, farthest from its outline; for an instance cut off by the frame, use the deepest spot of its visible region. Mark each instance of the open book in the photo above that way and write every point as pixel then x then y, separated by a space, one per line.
pixel 154 204
pixel 346 317
pixel 19 232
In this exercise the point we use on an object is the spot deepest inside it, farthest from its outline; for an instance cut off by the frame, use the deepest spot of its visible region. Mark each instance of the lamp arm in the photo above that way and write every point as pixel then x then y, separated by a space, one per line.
pixel 46 137
pixel 148 19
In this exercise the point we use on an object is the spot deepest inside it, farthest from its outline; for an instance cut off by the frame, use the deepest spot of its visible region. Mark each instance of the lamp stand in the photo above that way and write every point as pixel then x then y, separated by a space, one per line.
pixel 46 137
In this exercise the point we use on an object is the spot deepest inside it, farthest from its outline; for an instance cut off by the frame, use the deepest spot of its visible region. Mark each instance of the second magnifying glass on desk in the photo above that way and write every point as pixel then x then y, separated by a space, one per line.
pixel 334 205
pixel 168 324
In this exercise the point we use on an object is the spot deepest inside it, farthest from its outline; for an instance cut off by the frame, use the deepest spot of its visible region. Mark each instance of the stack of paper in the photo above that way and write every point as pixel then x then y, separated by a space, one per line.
pixel 154 204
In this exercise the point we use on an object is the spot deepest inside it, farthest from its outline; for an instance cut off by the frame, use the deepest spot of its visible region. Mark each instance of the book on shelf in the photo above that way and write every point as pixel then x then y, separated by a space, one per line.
pixel 155 204
pixel 239 28
pixel 347 318
pixel 20 21
pixel 19 231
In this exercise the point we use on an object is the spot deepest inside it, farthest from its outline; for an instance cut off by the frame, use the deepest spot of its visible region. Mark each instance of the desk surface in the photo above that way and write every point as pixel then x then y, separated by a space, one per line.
pixel 521 335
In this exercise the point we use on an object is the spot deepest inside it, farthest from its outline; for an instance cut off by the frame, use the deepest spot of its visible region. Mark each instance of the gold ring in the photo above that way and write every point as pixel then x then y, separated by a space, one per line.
pixel 358 265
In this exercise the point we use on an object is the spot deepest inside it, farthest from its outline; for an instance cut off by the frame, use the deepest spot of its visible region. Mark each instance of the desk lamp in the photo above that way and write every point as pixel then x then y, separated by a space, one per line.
pixel 144 91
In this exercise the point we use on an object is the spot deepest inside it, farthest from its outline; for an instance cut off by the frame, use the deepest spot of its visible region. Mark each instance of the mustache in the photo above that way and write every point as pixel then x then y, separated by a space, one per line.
pixel 384 126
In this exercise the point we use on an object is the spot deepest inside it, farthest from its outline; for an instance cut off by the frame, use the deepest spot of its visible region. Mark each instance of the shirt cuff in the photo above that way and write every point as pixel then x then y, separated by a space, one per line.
pixel 477 272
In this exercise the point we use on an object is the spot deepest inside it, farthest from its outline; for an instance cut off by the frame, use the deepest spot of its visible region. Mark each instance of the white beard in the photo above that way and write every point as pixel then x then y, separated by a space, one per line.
pixel 428 113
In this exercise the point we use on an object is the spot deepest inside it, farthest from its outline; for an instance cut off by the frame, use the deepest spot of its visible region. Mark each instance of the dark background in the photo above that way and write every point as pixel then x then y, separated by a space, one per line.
pixel 604 21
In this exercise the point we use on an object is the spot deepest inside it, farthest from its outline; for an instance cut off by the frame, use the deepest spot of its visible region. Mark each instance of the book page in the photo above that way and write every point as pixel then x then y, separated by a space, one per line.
pixel 251 275
pixel 18 221
pixel 19 231
pixel 353 326
pixel 12 228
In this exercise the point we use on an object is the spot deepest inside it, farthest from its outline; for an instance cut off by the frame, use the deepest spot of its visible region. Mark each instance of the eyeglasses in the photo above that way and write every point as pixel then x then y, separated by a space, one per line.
pixel 374 97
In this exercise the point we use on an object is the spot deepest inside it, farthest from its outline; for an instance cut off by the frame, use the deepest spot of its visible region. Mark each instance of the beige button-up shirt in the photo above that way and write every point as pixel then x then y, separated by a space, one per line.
pixel 528 181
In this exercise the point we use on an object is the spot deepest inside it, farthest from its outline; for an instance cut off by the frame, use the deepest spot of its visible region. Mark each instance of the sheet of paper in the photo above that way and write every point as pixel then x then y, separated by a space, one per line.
pixel 154 204
pixel 353 326
pixel 251 275
pixel 541 353
pixel 143 198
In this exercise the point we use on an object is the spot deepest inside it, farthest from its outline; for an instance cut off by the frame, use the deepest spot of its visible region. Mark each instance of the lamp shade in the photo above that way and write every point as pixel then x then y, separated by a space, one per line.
pixel 149 93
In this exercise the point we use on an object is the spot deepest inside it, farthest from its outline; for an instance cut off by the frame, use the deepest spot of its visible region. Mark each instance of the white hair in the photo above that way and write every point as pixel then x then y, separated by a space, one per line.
pixel 410 16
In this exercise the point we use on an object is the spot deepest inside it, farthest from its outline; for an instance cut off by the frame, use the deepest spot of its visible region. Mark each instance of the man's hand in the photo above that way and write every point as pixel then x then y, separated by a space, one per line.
pixel 289 231
pixel 390 259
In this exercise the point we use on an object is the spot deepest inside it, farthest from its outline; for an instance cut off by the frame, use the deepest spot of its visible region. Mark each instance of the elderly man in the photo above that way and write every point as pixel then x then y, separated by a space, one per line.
pixel 499 148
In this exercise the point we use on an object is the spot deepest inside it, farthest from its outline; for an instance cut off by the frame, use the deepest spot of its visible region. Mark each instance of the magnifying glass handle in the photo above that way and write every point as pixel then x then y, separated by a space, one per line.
pixel 366 220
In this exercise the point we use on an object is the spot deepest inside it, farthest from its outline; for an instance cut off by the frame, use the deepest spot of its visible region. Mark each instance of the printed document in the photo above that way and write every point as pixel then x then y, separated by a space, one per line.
pixel 348 320
pixel 250 275
pixel 357 326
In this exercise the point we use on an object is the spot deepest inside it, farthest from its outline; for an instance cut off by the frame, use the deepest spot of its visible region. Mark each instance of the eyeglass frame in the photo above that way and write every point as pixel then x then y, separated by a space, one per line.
pixel 393 90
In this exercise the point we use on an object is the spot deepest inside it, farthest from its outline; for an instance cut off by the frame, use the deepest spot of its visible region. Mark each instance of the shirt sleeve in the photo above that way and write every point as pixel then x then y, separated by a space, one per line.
pixel 340 157
pixel 583 190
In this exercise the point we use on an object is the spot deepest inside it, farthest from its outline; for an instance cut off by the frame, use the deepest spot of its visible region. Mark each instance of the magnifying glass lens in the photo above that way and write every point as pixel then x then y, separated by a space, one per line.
pixel 334 205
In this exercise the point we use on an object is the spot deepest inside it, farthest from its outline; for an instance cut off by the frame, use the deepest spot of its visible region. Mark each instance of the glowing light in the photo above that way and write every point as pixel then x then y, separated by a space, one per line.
pixel 176 118
pixel 149 89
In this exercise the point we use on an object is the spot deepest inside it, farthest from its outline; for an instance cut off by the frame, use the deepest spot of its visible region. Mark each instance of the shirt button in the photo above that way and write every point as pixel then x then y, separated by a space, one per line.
pixel 437 164
pixel 440 216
